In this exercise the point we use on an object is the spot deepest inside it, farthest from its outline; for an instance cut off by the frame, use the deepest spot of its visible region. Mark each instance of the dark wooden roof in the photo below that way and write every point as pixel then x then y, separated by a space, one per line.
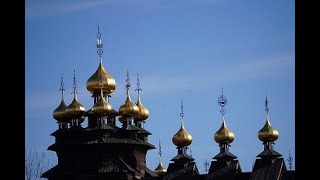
pixel 144 131
pixel 268 169
pixel 269 152
pixel 188 171
pixel 225 155
pixel 223 170
pixel 182 157
pixel 115 165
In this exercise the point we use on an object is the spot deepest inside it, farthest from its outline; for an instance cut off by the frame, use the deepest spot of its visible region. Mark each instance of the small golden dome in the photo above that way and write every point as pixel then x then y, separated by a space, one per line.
pixel 59 112
pixel 128 108
pixel 160 170
pixel 75 109
pixel 143 113
pixel 268 133
pixel 224 135
pixel 182 137
pixel 101 107
pixel 94 82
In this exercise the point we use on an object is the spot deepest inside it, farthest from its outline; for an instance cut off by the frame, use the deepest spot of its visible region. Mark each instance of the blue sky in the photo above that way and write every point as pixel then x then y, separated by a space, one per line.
pixel 182 50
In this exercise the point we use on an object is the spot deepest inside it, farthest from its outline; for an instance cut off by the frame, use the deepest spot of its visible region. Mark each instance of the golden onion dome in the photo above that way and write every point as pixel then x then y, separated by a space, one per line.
pixel 143 113
pixel 59 113
pixel 224 135
pixel 182 137
pixel 75 109
pixel 94 82
pixel 268 133
pixel 160 170
pixel 128 108
pixel 101 107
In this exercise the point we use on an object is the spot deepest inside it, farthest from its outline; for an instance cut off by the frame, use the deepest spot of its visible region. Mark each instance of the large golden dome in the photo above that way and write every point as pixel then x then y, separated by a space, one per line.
pixel 182 137
pixel 101 107
pixel 143 113
pixel 224 135
pixel 268 133
pixel 59 113
pixel 128 108
pixel 75 109
pixel 101 75
pixel 160 170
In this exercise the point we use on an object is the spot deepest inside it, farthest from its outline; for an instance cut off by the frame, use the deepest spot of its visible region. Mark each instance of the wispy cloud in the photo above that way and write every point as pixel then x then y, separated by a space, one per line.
pixel 235 73
pixel 53 8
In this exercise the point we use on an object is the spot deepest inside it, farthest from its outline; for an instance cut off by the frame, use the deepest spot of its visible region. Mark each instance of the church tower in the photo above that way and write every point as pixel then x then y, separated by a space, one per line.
pixel 225 165
pixel 102 150
pixel 269 164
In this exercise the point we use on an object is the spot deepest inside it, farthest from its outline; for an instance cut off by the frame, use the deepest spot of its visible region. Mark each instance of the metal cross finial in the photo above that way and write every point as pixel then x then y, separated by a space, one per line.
pixel 181 114
pixel 290 159
pixel 160 152
pixel 62 86
pixel 138 85
pixel 222 102
pixel 99 43
pixel 74 92
pixel 127 82
pixel 266 104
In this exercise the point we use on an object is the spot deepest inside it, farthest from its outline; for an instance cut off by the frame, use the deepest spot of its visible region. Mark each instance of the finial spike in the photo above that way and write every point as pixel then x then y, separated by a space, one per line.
pixel 74 92
pixel 222 102
pixel 290 159
pixel 127 86
pixel 160 152
pixel 99 43
pixel 61 86
pixel 138 85
pixel 266 104
pixel 182 114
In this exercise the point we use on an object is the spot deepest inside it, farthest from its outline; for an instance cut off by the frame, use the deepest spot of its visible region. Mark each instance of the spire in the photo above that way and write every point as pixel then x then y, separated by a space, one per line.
pixel 182 138
pixel 75 110
pixel 224 135
pixel 109 83
pixel 128 109
pixel 59 112
pixel 160 170
pixel 143 113
pixel 268 133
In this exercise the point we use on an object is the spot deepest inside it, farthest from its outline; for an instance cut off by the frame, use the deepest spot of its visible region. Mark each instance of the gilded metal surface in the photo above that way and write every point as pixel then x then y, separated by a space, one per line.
pixel 59 112
pixel 143 113
pixel 224 135
pixel 268 133
pixel 128 108
pixel 101 107
pixel 94 82
pixel 160 170
pixel 182 137
pixel 75 109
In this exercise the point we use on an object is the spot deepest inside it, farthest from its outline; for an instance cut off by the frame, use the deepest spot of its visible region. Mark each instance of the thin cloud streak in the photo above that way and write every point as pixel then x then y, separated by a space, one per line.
pixel 57 8
pixel 234 74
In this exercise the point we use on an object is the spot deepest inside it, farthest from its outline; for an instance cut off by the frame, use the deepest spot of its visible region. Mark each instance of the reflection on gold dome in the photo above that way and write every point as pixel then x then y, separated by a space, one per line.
pixel 94 82
pixel 182 137
pixel 128 108
pixel 75 109
pixel 160 170
pixel 268 133
pixel 59 113
pixel 224 135
pixel 143 113
pixel 101 107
